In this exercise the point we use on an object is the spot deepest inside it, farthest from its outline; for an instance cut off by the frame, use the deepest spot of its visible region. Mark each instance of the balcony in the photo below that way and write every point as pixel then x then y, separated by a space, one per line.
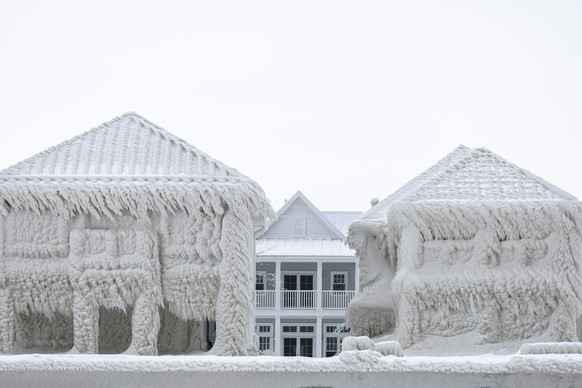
pixel 298 299
pixel 301 300
pixel 264 299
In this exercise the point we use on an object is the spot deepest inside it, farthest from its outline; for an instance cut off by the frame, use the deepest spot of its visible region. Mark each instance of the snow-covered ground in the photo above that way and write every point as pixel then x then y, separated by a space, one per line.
pixel 354 368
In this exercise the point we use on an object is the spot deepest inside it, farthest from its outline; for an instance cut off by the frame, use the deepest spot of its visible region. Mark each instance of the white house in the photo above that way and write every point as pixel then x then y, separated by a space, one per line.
pixel 305 278
pixel 127 238
pixel 474 245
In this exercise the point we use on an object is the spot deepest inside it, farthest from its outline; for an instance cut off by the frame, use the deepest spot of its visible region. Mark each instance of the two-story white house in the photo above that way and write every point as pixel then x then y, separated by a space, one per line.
pixel 305 278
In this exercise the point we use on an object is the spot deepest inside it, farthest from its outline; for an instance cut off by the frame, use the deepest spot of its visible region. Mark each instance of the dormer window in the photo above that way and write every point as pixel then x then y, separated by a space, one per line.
pixel 298 227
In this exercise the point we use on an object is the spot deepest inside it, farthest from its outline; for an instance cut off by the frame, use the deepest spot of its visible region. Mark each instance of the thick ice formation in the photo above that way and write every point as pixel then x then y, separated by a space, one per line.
pixel 474 244
pixel 126 238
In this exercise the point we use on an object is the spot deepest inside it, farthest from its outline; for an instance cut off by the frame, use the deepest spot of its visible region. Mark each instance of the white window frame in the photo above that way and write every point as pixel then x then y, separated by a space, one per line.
pixel 265 334
pixel 332 283
pixel 299 227
pixel 261 275
pixel 298 273
pixel 340 336
pixel 298 334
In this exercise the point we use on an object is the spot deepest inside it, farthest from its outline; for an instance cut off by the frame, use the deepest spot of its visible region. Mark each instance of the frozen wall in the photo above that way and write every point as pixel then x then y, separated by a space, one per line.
pixel 508 272
pixel 108 285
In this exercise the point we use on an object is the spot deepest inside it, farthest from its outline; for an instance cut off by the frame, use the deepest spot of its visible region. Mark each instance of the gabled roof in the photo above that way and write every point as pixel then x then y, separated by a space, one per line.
pixel 300 196
pixel 128 165
pixel 470 175
pixel 482 175
pixel 128 145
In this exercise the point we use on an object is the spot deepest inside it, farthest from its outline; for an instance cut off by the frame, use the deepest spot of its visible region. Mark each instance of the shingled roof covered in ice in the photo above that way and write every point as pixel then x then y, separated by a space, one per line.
pixel 130 163
pixel 469 175
pixel 127 146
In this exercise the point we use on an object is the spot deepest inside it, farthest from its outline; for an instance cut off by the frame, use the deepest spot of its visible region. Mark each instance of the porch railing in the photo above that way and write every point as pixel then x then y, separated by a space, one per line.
pixel 265 299
pixel 298 299
pixel 330 300
pixel 336 299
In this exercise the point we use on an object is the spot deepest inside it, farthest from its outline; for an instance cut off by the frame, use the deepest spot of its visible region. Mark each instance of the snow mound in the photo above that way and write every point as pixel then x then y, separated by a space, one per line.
pixel 358 343
pixel 551 348
pixel 365 344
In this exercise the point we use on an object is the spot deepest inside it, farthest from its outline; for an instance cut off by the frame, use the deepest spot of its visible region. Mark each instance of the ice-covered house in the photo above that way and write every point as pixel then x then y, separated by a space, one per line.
pixel 474 245
pixel 127 238
pixel 305 278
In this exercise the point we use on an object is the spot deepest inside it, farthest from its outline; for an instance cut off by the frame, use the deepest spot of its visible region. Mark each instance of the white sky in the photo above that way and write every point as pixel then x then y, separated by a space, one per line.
pixel 344 100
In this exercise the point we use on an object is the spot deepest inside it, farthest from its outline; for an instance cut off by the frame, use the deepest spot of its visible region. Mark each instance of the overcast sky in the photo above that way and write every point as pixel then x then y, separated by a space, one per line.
pixel 344 100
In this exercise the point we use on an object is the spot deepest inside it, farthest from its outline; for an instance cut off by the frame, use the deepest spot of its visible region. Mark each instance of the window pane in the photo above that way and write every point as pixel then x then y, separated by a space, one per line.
pixel 264 329
pixel 289 346
pixel 306 282
pixel 298 227
pixel 290 282
pixel 306 329
pixel 306 347
pixel 264 343
pixel 331 344
pixel 260 281
pixel 339 282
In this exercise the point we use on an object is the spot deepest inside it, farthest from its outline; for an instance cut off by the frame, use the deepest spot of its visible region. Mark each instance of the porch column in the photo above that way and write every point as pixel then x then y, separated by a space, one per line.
pixel 145 324
pixel 277 285
pixel 7 321
pixel 85 323
pixel 277 336
pixel 319 285
pixel 318 337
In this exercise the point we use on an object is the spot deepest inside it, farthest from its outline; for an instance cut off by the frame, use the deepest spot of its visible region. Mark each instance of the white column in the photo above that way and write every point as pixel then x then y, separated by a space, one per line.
pixel 277 284
pixel 319 284
pixel 277 336
pixel 318 337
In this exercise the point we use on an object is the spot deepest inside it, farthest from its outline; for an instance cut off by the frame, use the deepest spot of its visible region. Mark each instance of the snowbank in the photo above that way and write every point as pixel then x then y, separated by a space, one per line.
pixel 367 368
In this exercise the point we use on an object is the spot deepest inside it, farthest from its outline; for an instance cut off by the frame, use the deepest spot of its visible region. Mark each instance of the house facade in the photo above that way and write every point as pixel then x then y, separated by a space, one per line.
pixel 305 279
pixel 475 247
pixel 127 239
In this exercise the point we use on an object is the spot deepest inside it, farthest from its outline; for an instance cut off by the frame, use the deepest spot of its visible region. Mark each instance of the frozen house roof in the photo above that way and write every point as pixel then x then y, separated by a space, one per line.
pixel 127 163
pixel 326 236
pixel 466 190
pixel 127 146
pixel 470 175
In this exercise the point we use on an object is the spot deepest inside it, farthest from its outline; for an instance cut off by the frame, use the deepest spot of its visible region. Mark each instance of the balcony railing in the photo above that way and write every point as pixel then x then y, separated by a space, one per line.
pixel 304 299
pixel 298 299
pixel 336 299
pixel 265 299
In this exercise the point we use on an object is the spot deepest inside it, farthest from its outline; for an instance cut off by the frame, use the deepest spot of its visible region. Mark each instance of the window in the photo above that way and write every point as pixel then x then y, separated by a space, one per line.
pixel 306 329
pixel 298 339
pixel 331 348
pixel 338 281
pixel 298 227
pixel 260 280
pixel 298 291
pixel 264 328
pixel 264 343
pixel 265 333
pixel 333 336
